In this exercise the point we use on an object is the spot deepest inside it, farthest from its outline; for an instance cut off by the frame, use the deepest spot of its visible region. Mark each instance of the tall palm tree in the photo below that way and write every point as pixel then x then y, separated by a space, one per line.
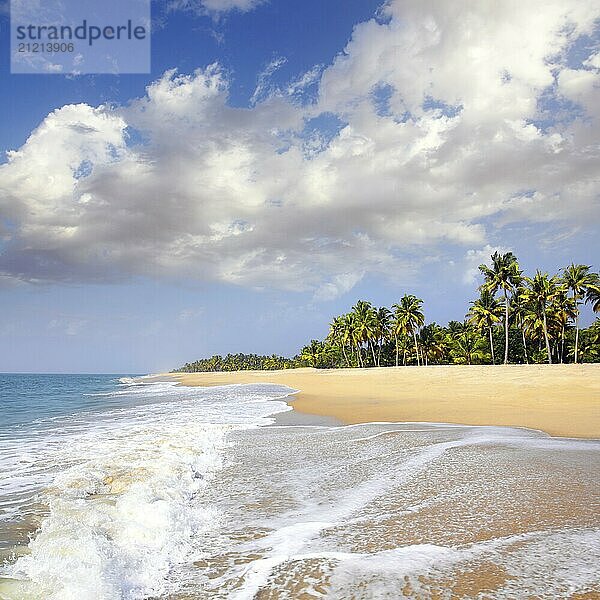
pixel 337 335
pixel 541 292
pixel 410 313
pixel 484 313
pixel 365 319
pixel 519 311
pixel 503 275
pixel 399 330
pixel 561 312
pixel 383 317
pixel 578 280
pixel 349 335
pixel 432 343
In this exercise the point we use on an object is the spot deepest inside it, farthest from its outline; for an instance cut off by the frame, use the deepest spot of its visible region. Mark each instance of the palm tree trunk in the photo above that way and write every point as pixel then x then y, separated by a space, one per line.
pixel 505 327
pixel 547 340
pixel 345 355
pixel 404 357
pixel 562 344
pixel 416 348
pixel 524 341
pixel 576 329
pixel 396 342
pixel 372 352
pixel 492 345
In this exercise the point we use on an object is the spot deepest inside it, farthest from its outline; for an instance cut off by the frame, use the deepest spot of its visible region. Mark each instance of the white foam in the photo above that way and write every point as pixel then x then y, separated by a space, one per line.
pixel 554 563
pixel 137 493
pixel 125 491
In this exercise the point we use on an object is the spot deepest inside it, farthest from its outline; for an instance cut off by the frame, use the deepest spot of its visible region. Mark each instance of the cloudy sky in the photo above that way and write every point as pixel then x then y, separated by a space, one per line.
pixel 284 159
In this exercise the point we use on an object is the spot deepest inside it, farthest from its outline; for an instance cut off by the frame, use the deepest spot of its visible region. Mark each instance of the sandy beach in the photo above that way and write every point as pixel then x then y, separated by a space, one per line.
pixel 561 400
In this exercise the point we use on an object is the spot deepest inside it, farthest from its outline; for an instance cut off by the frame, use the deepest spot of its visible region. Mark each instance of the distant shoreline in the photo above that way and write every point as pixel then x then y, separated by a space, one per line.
pixel 561 400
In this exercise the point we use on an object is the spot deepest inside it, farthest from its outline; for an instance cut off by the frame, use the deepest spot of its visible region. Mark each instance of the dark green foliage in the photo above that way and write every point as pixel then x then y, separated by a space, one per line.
pixel 238 362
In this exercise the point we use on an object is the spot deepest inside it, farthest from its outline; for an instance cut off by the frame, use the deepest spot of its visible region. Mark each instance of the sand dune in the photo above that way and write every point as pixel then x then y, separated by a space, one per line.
pixel 562 400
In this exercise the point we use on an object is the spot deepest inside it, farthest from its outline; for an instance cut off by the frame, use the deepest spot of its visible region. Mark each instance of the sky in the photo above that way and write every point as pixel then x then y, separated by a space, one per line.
pixel 283 159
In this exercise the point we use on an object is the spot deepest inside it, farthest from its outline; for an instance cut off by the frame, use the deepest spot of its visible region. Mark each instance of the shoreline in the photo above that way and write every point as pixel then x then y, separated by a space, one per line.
pixel 560 400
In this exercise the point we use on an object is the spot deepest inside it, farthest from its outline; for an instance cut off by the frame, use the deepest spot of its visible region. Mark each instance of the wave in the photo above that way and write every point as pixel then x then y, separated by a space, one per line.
pixel 125 492
pixel 193 494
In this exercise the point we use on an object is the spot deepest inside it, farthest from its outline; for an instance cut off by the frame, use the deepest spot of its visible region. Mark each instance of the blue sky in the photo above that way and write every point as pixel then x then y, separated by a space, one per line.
pixel 303 155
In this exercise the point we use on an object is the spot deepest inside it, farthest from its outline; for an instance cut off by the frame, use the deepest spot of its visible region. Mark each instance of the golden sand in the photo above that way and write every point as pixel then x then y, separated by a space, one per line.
pixel 562 400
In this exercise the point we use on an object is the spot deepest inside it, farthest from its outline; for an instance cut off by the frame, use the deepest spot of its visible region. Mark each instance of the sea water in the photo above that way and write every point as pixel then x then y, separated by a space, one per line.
pixel 121 488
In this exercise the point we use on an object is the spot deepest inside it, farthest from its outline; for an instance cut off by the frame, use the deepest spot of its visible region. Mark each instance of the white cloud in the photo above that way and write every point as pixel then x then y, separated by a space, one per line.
pixel 264 88
pixel 214 6
pixel 474 258
pixel 228 194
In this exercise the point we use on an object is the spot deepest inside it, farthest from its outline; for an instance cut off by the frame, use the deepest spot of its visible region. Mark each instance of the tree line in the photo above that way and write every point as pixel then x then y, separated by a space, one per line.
pixel 515 319
pixel 239 362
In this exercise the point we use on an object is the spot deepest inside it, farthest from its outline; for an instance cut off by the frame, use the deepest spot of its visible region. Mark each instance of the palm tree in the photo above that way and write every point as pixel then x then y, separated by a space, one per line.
pixel 312 353
pixel 337 335
pixel 409 312
pixel 519 311
pixel 484 313
pixel 398 330
pixel 365 320
pixel 541 292
pixel 562 311
pixel 466 345
pixel 578 280
pixel 431 341
pixel 349 335
pixel 383 318
pixel 503 275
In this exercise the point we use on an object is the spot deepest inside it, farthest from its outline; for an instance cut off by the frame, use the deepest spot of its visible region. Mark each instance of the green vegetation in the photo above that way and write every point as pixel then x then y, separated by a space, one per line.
pixel 524 319
pixel 238 362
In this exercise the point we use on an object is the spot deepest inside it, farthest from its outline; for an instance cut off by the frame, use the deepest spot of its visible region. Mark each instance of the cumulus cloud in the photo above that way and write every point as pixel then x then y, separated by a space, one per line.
pixel 178 183
pixel 481 256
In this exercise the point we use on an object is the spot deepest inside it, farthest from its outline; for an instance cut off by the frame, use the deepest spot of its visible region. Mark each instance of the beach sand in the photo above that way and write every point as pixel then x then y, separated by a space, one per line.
pixel 561 400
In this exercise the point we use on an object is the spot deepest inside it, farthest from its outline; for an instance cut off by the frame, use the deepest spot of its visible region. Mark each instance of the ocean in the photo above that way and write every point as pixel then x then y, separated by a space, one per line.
pixel 114 487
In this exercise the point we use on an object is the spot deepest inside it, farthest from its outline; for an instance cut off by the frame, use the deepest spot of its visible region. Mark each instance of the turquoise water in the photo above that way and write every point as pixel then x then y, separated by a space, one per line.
pixel 28 398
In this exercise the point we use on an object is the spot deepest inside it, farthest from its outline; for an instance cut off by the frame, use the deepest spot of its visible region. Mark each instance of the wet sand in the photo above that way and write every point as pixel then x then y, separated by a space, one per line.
pixel 561 400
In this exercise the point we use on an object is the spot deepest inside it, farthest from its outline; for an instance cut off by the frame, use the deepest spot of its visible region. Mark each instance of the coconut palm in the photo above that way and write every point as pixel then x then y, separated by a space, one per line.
pixel 349 335
pixel 400 332
pixel 312 353
pixel 410 314
pixel 578 280
pixel 467 345
pixel 519 309
pixel 365 321
pixel 562 311
pixel 382 333
pixel 504 275
pixel 432 343
pixel 337 335
pixel 541 291
pixel 484 314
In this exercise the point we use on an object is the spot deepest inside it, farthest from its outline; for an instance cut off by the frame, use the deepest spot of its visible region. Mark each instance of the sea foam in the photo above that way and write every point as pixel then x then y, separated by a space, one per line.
pixel 125 490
